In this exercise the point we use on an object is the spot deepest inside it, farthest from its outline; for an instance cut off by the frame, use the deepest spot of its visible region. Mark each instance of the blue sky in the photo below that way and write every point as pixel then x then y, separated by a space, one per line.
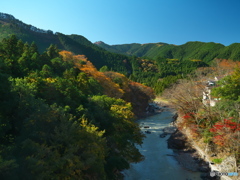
pixel 134 21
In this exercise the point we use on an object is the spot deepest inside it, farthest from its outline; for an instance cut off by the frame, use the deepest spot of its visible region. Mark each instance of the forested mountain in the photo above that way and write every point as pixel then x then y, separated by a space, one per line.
pixel 189 51
pixel 138 69
pixel 159 65
pixel 155 64
pixel 74 43
pixel 135 49
pixel 61 118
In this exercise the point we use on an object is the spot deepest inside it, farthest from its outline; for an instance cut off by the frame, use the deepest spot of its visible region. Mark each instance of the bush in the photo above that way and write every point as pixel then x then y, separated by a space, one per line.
pixel 217 161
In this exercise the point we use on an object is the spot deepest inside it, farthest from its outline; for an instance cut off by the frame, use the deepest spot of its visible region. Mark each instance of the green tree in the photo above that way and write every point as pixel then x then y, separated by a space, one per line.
pixel 10 47
pixel 54 145
pixel 103 69
pixel 229 87
pixel 122 133
pixel 52 51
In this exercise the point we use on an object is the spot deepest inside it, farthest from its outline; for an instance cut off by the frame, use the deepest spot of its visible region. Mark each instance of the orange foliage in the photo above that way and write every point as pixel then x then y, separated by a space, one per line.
pixel 147 90
pixel 227 65
pixel 118 78
pixel 110 88
pixel 114 84
pixel 68 56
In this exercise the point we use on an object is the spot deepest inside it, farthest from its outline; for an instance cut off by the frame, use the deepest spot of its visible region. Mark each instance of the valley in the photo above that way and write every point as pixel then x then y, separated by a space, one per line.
pixel 69 107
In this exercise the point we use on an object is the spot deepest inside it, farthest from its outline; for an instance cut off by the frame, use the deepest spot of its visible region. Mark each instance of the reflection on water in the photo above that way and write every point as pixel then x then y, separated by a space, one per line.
pixel 158 165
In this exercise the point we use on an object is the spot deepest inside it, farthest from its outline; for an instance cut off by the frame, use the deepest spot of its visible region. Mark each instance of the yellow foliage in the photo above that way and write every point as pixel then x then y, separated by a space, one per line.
pixel 91 128
pixel 123 111
pixel 196 60
pixel 50 80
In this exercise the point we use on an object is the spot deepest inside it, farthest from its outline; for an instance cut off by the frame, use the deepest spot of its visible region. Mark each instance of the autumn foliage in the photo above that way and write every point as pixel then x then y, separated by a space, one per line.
pixel 225 132
pixel 227 64
pixel 114 84
pixel 110 88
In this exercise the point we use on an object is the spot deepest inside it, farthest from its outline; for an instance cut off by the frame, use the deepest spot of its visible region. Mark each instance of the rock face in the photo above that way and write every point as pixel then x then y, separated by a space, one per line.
pixel 6 16
pixel 177 141
pixel 10 18
pixel 99 42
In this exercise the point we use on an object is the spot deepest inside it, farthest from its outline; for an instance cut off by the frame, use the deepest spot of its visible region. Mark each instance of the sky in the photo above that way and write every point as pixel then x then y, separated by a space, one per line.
pixel 133 21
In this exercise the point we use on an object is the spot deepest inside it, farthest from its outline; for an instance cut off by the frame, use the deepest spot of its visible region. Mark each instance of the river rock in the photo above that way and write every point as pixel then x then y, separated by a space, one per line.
pixel 177 141
pixel 170 129
pixel 204 169
pixel 206 176
pixel 163 135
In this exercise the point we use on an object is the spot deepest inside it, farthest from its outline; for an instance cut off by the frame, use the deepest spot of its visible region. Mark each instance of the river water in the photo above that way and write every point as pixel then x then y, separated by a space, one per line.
pixel 158 165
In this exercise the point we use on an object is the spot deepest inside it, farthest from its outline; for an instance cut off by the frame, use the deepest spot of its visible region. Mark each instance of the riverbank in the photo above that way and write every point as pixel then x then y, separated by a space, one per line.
pixel 193 157
pixel 159 162
pixel 187 155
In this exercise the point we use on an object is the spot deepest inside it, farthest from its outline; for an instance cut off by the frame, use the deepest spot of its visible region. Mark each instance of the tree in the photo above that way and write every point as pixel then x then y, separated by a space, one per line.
pixel 10 47
pixel 33 48
pixel 229 88
pixel 121 132
pixel 46 71
pixel 55 145
pixel 52 51
pixel 103 69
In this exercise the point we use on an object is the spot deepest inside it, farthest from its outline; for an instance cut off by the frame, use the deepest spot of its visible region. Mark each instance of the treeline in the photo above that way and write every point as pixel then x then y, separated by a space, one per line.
pixel 60 118
pixel 159 65
pixel 163 72
pixel 188 51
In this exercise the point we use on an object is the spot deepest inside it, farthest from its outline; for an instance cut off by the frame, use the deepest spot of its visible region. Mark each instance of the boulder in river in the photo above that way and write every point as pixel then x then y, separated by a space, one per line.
pixel 170 129
pixel 163 135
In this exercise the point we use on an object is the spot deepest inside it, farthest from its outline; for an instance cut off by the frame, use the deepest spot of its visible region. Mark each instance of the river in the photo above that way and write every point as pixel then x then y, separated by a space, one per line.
pixel 158 165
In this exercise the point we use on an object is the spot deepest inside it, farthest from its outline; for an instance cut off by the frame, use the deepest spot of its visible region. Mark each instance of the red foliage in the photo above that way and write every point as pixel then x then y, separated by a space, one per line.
pixel 222 130
pixel 227 124
pixel 188 116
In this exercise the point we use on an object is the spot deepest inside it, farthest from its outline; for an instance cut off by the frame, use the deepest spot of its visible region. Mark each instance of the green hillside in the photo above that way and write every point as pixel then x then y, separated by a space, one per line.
pixel 163 61
pixel 74 43
pixel 188 51
pixel 135 49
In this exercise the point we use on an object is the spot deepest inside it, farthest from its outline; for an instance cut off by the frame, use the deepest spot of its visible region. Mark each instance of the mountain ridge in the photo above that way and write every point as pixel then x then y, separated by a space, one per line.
pixel 75 43
pixel 205 51
pixel 10 18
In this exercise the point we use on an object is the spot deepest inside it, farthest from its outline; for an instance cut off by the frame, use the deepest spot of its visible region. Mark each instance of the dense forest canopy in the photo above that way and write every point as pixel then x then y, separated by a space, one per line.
pixel 60 117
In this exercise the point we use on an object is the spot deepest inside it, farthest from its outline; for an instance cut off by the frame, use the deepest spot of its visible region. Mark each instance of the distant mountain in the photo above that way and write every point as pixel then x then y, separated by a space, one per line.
pixel 188 51
pixel 74 43
pixel 136 49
